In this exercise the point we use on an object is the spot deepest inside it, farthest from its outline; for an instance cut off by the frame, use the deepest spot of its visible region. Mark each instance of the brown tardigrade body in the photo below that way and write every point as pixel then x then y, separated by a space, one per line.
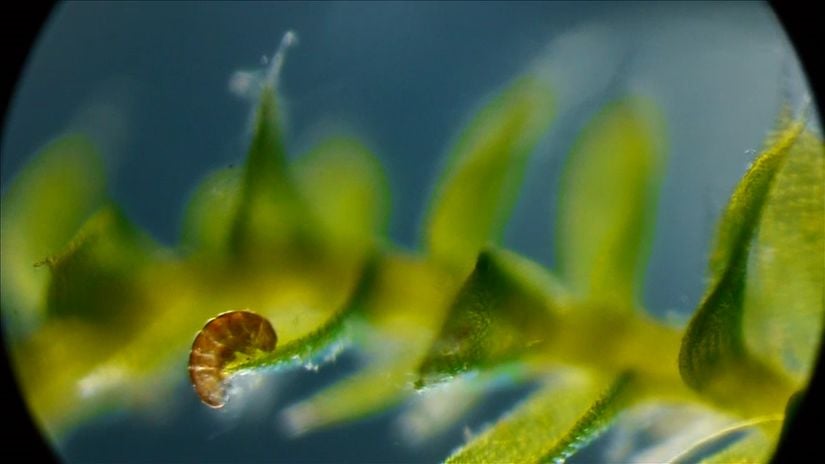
pixel 218 343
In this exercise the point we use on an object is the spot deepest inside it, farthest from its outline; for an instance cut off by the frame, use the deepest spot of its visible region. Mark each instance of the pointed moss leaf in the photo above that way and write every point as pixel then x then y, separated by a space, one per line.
pixel 123 318
pixel 270 216
pixel 598 417
pixel 346 187
pixel 552 424
pixel 785 294
pixel 713 356
pixel 210 213
pixel 477 191
pixel 607 202
pixel 319 345
pixel 501 312
pixel 94 275
pixel 745 207
pixel 41 210
pixel 77 365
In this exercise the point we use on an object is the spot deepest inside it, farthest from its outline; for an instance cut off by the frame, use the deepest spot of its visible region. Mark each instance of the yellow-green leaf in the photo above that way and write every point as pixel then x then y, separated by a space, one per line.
pixel 785 294
pixel 502 312
pixel 713 357
pixel 93 278
pixel 270 216
pixel 346 188
pixel 98 301
pixel 50 365
pixel 41 210
pixel 210 213
pixel 478 188
pixel 552 424
pixel 744 210
pixel 607 203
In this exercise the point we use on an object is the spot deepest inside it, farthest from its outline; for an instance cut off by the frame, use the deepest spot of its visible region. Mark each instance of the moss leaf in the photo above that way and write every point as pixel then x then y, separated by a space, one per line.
pixel 208 219
pixel 479 186
pixel 552 424
pixel 41 211
pixel 98 267
pixel 607 203
pixel 270 215
pixel 502 312
pixel 345 185
pixel 713 355
pixel 785 296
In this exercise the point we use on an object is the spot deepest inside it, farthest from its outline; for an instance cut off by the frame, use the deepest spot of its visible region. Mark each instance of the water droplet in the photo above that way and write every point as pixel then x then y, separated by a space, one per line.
pixel 245 84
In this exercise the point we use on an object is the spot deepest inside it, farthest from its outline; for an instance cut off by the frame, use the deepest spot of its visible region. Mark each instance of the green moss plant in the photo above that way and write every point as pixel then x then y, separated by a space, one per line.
pixel 100 316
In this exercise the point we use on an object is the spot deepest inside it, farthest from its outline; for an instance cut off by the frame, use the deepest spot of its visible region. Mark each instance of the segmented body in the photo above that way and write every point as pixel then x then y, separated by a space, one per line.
pixel 224 338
